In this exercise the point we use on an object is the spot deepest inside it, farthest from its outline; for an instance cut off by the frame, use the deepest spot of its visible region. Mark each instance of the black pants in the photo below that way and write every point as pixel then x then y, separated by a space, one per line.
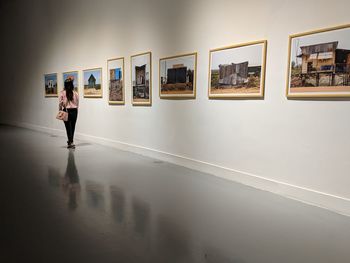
pixel 70 124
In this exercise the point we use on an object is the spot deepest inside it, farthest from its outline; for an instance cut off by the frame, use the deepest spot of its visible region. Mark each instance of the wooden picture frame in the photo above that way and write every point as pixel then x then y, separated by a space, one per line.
pixel 319 63
pixel 75 76
pixel 141 79
pixel 93 87
pixel 237 71
pixel 50 85
pixel 116 81
pixel 178 76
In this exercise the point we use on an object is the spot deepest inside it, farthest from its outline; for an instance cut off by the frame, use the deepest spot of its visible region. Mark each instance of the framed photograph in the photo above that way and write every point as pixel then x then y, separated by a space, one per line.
pixel 116 84
pixel 51 85
pixel 73 75
pixel 141 79
pixel 319 63
pixel 177 76
pixel 93 83
pixel 238 71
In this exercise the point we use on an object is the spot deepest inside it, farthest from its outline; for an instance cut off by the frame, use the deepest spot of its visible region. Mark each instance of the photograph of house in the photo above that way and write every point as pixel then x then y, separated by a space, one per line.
pixel 73 75
pixel 116 80
pixel 233 74
pixel 237 70
pixel 141 78
pixel 115 85
pixel 320 62
pixel 177 76
pixel 51 85
pixel 92 83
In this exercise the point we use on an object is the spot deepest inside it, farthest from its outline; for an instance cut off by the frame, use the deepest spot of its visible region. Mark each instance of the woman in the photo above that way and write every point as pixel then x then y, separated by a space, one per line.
pixel 69 101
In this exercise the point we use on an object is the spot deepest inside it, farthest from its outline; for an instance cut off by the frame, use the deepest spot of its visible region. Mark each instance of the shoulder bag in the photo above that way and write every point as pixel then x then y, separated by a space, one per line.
pixel 62 115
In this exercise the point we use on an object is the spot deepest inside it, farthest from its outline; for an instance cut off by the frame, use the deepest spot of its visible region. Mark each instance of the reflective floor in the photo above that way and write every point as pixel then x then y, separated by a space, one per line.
pixel 99 204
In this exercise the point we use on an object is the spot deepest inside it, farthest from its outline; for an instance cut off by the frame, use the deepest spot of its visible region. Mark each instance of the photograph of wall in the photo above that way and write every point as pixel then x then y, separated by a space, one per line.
pixel 93 83
pixel 141 79
pixel 237 71
pixel 51 85
pixel 319 63
pixel 116 90
pixel 73 75
pixel 177 76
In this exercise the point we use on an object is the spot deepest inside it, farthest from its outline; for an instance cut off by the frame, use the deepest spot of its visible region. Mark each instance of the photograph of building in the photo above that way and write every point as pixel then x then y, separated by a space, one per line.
pixel 73 75
pixel 115 85
pixel 177 76
pixel 92 83
pixel 141 78
pixel 51 85
pixel 237 70
pixel 320 63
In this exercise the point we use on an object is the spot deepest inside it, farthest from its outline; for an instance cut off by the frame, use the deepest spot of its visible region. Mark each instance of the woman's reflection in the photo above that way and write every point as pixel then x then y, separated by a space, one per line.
pixel 71 183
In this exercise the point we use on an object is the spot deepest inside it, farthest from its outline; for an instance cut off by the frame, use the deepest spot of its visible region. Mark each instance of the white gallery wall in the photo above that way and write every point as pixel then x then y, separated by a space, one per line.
pixel 299 148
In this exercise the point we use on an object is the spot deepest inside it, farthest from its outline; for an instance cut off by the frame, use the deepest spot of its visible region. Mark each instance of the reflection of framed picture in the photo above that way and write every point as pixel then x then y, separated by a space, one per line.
pixel 238 71
pixel 51 85
pixel 116 83
pixel 93 83
pixel 319 63
pixel 177 76
pixel 74 75
pixel 141 79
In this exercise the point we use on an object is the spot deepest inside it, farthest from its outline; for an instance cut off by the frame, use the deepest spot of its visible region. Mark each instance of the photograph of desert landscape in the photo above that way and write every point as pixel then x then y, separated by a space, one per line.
pixel 319 63
pixel 73 75
pixel 51 85
pixel 141 79
pixel 92 83
pixel 116 80
pixel 178 76
pixel 237 71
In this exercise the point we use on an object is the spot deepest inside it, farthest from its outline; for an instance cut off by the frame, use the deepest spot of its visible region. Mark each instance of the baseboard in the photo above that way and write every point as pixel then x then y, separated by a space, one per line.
pixel 331 202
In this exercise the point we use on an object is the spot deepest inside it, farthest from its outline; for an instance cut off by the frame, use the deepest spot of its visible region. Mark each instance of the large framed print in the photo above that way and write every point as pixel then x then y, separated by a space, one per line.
pixel 116 83
pixel 319 63
pixel 50 81
pixel 177 76
pixel 238 71
pixel 93 83
pixel 72 75
pixel 141 79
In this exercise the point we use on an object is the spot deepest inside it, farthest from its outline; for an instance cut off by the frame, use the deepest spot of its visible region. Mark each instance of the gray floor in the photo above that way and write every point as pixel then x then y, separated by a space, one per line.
pixel 99 204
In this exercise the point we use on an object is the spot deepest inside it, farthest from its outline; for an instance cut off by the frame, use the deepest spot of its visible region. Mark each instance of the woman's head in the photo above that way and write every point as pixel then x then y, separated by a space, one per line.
pixel 68 84
pixel 69 87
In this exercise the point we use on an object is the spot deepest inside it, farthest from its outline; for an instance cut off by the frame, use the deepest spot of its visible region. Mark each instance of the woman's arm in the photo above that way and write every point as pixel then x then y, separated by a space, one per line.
pixel 76 96
pixel 60 101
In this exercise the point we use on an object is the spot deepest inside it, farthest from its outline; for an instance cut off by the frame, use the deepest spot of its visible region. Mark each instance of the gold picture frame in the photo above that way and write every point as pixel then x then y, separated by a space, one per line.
pixel 240 79
pixel 317 72
pixel 144 83
pixel 75 81
pixel 51 85
pixel 95 90
pixel 184 76
pixel 118 80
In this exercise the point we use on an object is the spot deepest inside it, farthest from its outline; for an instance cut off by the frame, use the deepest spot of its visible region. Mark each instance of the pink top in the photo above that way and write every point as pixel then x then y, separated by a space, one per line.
pixel 74 104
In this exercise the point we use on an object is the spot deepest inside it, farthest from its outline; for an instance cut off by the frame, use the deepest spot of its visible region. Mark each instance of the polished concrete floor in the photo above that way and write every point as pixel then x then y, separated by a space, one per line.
pixel 99 204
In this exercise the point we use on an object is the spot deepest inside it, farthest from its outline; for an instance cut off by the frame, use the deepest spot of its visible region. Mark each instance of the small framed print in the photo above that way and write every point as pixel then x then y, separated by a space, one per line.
pixel 116 83
pixel 238 71
pixel 177 76
pixel 51 85
pixel 141 79
pixel 74 76
pixel 319 63
pixel 93 83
